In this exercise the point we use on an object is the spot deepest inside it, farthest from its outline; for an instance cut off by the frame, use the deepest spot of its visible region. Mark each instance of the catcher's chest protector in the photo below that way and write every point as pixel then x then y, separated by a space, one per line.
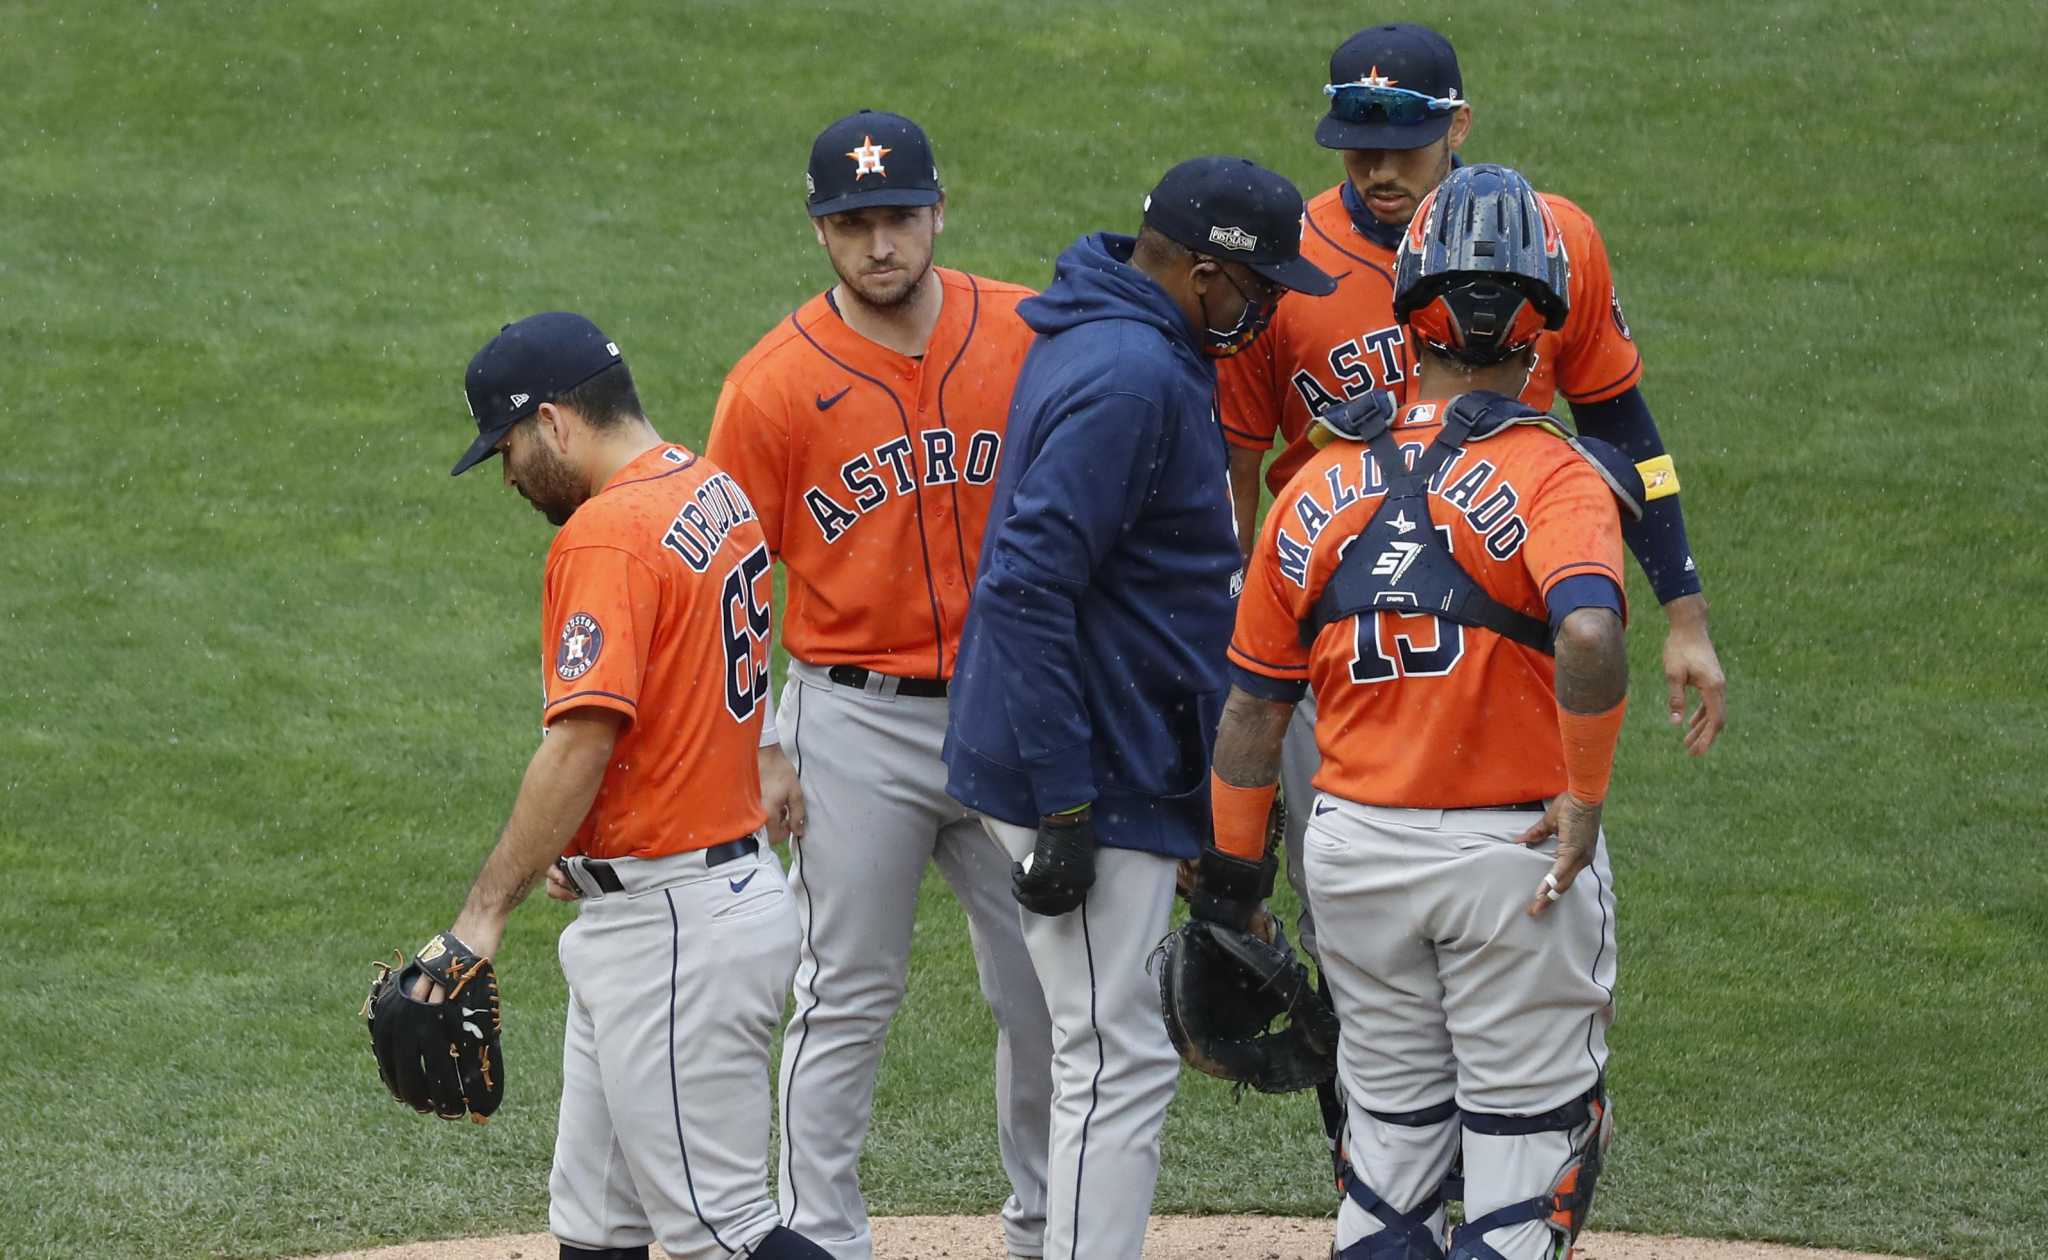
pixel 1402 561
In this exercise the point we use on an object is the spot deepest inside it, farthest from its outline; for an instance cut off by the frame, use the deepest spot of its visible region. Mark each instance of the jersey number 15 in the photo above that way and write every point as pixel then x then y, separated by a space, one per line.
pixel 1423 645
pixel 744 622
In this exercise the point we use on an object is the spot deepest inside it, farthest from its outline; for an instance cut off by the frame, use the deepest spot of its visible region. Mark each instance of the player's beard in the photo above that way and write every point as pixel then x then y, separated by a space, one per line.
pixel 884 296
pixel 548 484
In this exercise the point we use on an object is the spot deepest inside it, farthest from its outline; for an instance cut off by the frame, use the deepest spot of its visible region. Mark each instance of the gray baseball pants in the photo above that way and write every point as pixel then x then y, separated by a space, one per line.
pixel 1114 1068
pixel 676 986
pixel 875 795
pixel 1447 989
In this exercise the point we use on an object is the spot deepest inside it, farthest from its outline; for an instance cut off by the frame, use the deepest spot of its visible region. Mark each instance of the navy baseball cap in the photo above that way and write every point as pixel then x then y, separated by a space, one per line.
pixel 870 159
pixel 1403 89
pixel 1233 208
pixel 536 360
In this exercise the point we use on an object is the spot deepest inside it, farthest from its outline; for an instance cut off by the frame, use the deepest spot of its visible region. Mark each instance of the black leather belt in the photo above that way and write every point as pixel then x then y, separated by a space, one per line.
pixel 856 676
pixel 602 874
pixel 1521 807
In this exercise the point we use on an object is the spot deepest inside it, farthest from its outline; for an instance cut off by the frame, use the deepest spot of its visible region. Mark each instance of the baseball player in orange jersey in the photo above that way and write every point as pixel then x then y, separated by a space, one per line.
pixel 1446 579
pixel 867 428
pixel 644 795
pixel 1397 114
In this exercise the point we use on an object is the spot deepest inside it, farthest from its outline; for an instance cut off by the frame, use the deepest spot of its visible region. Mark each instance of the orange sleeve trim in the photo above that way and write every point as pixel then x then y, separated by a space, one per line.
pixel 1246 440
pixel 1268 668
pixel 1563 571
pixel 1240 817
pixel 1589 743
pixel 1613 389
pixel 589 700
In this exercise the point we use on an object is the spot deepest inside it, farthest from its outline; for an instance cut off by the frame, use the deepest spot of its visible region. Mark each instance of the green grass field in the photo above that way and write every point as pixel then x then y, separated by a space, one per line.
pixel 268 678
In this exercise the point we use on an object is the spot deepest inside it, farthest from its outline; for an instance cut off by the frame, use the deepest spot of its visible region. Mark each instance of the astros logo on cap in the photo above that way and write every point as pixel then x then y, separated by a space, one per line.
pixel 868 157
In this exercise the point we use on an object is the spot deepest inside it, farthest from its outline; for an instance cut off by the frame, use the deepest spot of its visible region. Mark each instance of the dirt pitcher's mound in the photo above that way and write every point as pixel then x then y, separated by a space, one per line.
pixel 1170 1238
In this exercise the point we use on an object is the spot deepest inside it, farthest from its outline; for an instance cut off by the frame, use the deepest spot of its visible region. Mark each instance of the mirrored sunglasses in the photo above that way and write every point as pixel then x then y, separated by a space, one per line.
pixel 1357 103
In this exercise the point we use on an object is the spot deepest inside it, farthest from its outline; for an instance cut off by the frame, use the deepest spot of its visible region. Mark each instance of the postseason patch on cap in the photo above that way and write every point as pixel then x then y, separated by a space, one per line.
pixel 1233 238
pixel 582 640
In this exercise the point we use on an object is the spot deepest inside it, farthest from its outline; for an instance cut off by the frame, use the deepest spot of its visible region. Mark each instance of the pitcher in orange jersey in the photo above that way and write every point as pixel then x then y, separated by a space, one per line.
pixel 645 799
pixel 1446 579
pixel 867 428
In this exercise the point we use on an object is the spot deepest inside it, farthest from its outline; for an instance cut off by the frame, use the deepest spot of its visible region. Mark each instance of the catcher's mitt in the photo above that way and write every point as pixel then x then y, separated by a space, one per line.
pixel 440 1057
pixel 1221 991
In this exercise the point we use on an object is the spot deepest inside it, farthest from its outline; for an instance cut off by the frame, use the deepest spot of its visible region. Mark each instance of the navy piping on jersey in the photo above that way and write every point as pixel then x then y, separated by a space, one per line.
pixel 916 488
pixel 682 467
pixel 1317 228
pixel 1228 427
pixel 1595 396
pixel 1094 1083
pixel 1290 670
pixel 973 322
pixel 577 695
pixel 674 1093
pixel 796 741
pixel 1605 571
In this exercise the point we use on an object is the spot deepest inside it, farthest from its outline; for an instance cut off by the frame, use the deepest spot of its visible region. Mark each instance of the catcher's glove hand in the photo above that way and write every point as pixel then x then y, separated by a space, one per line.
pixel 1056 878
pixel 1221 990
pixel 440 1057
pixel 1231 890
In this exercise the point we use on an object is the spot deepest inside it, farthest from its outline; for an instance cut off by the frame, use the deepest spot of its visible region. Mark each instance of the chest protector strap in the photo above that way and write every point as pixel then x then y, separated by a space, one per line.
pixel 1400 563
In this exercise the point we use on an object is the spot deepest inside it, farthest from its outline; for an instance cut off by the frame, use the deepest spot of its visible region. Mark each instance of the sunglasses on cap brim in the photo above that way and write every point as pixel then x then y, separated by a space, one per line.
pixel 1359 102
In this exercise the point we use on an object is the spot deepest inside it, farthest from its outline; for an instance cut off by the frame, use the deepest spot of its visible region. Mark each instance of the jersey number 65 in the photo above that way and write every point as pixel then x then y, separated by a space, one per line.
pixel 745 624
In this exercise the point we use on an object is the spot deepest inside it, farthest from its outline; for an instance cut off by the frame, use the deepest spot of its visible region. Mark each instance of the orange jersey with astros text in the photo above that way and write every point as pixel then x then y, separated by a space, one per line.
pixel 1413 711
pixel 873 471
pixel 655 606
pixel 1321 351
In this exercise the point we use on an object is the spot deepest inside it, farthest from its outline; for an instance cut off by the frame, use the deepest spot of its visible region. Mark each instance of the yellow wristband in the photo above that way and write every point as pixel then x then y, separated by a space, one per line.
pixel 1660 478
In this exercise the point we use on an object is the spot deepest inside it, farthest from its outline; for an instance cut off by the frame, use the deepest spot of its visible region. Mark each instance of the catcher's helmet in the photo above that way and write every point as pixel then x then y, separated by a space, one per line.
pixel 1482 267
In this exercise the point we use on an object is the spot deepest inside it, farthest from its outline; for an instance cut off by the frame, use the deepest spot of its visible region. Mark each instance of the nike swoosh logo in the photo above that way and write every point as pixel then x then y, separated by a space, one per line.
pixel 1322 809
pixel 740 885
pixel 826 404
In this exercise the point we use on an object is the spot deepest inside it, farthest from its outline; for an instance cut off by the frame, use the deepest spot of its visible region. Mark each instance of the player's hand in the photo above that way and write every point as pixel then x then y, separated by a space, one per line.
pixel 1577 828
pixel 560 886
pixel 1691 664
pixel 781 795
pixel 1054 878
pixel 1227 890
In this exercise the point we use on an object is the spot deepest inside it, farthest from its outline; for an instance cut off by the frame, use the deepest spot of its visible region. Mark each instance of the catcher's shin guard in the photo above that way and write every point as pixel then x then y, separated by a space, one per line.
pixel 1588 1123
pixel 1410 1235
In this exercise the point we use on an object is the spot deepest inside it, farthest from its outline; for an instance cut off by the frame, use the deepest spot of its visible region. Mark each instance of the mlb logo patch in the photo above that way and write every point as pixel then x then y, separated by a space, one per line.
pixel 582 640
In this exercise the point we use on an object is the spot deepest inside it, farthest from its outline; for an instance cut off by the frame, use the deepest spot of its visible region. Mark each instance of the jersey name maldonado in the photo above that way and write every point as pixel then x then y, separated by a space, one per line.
pixel 1488 502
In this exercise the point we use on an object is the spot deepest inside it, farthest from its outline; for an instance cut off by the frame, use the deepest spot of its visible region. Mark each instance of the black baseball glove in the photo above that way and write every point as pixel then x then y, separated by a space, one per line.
pixel 1222 989
pixel 440 1057
pixel 1056 878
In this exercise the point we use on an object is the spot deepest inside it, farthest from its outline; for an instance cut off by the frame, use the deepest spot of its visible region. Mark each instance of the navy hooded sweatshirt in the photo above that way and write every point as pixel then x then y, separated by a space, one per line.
pixel 1091 668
